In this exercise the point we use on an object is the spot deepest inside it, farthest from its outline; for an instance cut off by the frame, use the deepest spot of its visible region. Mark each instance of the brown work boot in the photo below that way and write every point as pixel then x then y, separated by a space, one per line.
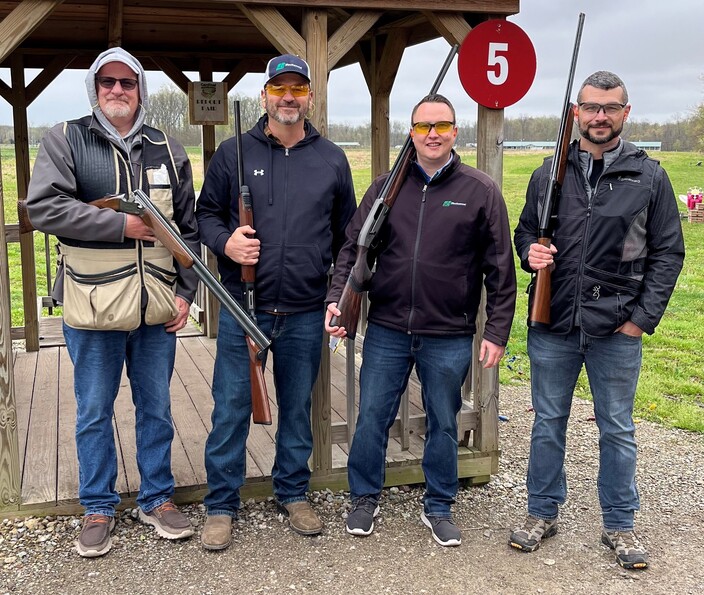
pixel 301 518
pixel 168 521
pixel 217 533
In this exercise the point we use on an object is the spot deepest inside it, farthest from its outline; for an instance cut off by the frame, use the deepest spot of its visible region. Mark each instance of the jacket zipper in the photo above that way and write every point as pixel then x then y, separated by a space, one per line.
pixel 416 247
pixel 283 228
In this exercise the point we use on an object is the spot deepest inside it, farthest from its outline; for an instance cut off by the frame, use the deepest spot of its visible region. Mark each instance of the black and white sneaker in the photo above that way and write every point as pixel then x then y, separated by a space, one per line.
pixel 360 520
pixel 444 531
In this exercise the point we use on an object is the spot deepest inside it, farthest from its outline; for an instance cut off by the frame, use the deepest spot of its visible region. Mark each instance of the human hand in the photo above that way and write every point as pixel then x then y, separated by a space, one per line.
pixel 631 329
pixel 490 353
pixel 333 331
pixel 136 229
pixel 242 248
pixel 540 257
pixel 179 321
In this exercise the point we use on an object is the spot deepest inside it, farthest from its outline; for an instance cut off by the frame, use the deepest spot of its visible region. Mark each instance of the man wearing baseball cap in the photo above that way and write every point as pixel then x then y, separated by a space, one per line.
pixel 123 296
pixel 303 197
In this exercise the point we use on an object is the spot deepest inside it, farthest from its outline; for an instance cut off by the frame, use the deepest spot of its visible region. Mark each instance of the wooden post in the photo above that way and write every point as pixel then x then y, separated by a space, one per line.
pixel 211 306
pixel 9 446
pixel 315 32
pixel 490 124
pixel 29 274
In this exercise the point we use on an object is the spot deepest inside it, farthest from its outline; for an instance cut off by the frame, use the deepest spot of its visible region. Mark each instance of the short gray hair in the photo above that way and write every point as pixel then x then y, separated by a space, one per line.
pixel 605 80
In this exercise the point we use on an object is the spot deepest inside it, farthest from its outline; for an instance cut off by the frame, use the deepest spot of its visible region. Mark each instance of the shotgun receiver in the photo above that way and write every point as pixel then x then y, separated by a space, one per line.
pixel 361 274
pixel 261 412
pixel 539 315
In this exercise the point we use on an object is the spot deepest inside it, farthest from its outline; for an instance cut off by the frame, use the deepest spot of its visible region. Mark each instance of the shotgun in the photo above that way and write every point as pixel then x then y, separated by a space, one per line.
pixel 139 204
pixel 539 315
pixel 261 412
pixel 361 274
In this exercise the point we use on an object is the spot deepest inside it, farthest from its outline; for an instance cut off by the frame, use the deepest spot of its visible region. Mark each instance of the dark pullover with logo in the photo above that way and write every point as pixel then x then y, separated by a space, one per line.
pixel 439 241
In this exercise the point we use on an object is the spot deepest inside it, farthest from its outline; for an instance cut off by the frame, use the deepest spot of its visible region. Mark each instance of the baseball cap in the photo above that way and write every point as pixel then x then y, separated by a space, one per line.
pixel 286 63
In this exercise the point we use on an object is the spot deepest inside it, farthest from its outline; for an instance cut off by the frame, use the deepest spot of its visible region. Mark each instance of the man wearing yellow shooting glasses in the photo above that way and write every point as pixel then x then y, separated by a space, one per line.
pixel 303 197
pixel 445 237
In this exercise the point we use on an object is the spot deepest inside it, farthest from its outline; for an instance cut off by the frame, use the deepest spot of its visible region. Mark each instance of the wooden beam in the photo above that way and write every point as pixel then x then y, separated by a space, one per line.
pixel 46 76
pixel 9 444
pixel 116 10
pixel 173 72
pixel 483 6
pixel 272 24
pixel 21 22
pixel 453 27
pixel 241 68
pixel 22 167
pixel 344 39
pixel 6 91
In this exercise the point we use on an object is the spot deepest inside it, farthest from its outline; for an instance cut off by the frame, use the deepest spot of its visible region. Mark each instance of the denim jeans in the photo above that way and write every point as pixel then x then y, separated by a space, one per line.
pixel 98 358
pixel 613 365
pixel 296 342
pixel 441 364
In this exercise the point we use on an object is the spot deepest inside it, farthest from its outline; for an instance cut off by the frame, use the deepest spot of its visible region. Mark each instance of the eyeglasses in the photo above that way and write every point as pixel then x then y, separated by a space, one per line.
pixel 108 82
pixel 281 90
pixel 424 128
pixel 610 109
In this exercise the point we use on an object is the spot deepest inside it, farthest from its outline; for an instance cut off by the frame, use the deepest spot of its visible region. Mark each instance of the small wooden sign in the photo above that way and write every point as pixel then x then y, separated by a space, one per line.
pixel 207 102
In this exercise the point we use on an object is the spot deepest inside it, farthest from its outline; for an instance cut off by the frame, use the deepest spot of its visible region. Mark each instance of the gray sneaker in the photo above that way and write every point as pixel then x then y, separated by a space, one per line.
pixel 629 552
pixel 528 537
pixel 168 521
pixel 360 520
pixel 444 531
pixel 94 539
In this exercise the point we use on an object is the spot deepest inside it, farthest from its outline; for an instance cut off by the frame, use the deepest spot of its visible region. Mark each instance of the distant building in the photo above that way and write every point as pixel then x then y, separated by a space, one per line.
pixel 650 145
pixel 541 145
pixel 345 143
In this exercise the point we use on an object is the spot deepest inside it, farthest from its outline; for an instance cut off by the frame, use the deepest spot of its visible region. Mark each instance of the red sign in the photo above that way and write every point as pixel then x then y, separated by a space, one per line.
pixel 496 63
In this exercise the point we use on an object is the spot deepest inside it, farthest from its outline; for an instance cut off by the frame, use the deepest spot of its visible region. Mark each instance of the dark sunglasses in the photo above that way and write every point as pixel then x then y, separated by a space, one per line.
pixel 108 82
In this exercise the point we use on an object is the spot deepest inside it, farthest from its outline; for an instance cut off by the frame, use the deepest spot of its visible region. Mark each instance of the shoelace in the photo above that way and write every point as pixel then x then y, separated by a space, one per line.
pixel 366 504
pixel 97 518
pixel 629 540
pixel 166 506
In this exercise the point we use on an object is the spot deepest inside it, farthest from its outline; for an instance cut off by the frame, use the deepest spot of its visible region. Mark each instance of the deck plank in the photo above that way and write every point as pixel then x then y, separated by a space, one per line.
pixel 25 370
pixel 67 474
pixel 39 474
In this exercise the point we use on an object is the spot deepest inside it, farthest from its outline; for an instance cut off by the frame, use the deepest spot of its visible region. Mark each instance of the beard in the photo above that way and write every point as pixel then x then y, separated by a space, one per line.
pixel 288 119
pixel 600 140
pixel 117 109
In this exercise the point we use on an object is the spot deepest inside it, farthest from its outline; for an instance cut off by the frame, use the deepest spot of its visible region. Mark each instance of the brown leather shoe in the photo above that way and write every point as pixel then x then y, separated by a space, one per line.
pixel 302 519
pixel 217 533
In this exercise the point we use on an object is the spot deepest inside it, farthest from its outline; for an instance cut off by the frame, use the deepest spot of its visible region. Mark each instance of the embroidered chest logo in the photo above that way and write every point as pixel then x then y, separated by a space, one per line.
pixel 596 292
pixel 450 203
pixel 258 172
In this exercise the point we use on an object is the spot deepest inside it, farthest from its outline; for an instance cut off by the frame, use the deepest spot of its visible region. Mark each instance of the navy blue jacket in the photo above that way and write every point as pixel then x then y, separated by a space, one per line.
pixel 302 197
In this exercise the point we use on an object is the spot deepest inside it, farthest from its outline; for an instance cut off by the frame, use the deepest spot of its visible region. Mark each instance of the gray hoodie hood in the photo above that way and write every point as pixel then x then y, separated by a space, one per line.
pixel 117 54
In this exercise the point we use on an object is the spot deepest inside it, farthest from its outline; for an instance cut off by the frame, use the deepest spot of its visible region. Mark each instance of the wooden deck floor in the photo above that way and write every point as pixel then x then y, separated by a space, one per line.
pixel 46 419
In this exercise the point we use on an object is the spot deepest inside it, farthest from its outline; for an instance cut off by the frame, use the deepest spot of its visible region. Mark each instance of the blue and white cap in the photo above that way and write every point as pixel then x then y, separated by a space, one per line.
pixel 286 63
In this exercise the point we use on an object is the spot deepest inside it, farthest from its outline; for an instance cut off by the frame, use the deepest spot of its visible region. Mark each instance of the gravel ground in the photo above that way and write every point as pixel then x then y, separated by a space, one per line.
pixel 37 555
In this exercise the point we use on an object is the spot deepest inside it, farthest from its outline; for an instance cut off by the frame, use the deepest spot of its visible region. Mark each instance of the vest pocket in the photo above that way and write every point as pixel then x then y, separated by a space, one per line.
pixel 160 283
pixel 106 300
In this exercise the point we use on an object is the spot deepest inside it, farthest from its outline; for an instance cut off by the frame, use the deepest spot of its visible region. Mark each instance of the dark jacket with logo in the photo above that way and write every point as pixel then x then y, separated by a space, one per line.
pixel 440 238
pixel 302 197
pixel 620 246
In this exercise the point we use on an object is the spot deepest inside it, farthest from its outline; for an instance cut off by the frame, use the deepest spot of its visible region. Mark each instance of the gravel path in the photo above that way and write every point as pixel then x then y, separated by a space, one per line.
pixel 37 556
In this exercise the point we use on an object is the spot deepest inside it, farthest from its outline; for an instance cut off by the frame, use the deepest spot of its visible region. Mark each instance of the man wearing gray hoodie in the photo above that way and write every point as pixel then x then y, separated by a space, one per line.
pixel 123 295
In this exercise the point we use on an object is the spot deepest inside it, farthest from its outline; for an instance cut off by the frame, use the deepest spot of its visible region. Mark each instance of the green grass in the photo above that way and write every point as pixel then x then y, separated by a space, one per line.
pixel 670 390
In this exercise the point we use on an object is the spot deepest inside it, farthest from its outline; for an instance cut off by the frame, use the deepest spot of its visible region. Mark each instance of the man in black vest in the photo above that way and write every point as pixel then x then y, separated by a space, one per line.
pixel 123 295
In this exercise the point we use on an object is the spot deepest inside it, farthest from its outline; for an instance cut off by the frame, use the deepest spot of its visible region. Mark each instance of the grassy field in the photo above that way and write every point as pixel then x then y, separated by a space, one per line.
pixel 671 388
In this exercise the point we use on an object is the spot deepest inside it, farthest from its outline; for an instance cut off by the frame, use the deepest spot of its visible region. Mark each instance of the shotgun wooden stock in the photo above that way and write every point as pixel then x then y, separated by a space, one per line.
pixel 25 225
pixel 261 410
pixel 350 303
pixel 539 314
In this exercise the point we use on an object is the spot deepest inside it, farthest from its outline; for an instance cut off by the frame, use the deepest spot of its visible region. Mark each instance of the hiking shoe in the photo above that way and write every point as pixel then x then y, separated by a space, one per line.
pixel 94 539
pixel 217 533
pixel 168 521
pixel 629 552
pixel 301 518
pixel 444 531
pixel 528 537
pixel 360 520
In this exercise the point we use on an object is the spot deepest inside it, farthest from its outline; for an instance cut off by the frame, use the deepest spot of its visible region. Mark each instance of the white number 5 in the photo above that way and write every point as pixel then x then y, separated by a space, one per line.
pixel 494 59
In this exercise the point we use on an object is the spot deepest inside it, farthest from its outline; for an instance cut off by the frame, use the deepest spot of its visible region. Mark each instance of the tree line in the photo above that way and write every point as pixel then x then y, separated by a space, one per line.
pixel 168 110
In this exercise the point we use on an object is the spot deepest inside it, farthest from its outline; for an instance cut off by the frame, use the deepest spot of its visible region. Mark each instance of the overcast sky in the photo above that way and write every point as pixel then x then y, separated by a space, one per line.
pixel 656 47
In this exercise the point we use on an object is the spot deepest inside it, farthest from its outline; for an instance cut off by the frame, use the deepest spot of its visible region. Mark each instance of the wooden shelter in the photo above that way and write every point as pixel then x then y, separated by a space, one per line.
pixel 211 37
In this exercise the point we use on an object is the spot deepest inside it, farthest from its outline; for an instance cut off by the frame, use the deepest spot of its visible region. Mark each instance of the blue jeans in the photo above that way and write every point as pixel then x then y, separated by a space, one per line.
pixel 441 364
pixel 296 342
pixel 613 365
pixel 98 357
